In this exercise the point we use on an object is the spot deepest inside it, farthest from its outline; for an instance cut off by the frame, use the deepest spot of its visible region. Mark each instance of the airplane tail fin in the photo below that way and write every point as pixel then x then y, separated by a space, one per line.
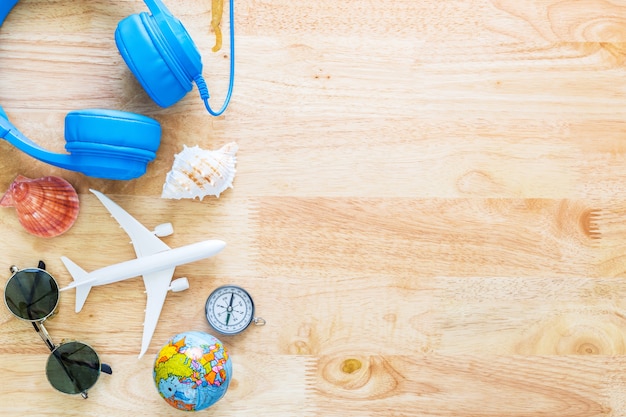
pixel 79 275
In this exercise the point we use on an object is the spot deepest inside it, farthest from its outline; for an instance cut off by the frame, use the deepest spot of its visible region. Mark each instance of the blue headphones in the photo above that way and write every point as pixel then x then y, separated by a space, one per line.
pixel 115 144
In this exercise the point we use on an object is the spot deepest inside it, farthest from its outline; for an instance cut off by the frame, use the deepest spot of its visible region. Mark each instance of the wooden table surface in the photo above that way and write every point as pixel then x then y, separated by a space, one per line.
pixel 429 206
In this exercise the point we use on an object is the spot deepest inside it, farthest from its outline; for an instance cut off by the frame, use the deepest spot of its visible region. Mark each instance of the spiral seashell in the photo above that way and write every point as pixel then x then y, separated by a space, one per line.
pixel 197 172
pixel 46 207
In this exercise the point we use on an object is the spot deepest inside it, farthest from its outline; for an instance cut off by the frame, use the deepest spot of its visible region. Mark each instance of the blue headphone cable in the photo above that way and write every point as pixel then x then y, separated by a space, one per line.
pixel 199 80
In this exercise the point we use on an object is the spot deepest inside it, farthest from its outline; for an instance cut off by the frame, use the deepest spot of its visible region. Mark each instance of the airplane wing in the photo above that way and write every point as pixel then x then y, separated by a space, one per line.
pixel 144 241
pixel 157 285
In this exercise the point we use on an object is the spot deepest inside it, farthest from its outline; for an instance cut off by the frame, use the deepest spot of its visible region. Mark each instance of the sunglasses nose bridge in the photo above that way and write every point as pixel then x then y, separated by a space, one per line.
pixel 43 333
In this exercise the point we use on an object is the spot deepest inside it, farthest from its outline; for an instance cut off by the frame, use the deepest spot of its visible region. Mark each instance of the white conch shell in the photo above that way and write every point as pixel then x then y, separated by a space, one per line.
pixel 197 172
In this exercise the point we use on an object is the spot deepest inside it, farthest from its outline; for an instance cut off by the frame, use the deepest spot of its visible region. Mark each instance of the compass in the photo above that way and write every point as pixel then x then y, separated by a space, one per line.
pixel 230 310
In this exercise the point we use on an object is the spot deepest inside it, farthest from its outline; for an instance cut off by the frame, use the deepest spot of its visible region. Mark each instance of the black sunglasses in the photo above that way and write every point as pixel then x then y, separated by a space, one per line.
pixel 32 294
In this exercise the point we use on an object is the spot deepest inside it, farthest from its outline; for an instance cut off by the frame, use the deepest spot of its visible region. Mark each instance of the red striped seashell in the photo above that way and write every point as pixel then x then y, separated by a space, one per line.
pixel 46 207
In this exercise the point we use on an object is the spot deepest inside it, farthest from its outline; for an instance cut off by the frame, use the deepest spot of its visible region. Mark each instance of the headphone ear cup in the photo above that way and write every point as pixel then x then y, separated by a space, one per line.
pixel 112 128
pixel 149 56
pixel 110 144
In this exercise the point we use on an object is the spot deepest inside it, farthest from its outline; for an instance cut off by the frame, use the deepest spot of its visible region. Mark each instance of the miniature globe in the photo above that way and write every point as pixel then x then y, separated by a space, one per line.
pixel 192 371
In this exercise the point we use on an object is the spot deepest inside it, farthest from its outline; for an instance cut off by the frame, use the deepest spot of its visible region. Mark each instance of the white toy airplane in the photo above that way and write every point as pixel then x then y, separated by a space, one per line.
pixel 155 261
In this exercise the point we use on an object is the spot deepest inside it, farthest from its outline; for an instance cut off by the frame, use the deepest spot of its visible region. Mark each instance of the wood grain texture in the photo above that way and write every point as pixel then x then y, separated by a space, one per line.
pixel 429 208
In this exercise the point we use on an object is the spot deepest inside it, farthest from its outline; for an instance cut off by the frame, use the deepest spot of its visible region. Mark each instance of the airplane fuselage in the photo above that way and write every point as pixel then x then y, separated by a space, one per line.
pixel 152 263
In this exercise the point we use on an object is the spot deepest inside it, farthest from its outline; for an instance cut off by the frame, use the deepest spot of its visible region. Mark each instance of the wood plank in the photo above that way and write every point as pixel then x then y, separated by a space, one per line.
pixel 428 237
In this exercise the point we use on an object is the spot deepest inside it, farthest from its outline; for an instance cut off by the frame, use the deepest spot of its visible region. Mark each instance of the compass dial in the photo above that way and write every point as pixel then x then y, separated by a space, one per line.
pixel 229 309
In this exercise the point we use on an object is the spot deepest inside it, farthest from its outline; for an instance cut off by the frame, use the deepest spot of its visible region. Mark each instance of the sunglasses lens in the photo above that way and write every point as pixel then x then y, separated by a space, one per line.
pixel 73 368
pixel 31 294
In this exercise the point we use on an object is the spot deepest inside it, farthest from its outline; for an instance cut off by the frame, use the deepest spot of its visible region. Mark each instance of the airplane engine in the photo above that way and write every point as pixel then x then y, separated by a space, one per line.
pixel 164 229
pixel 179 284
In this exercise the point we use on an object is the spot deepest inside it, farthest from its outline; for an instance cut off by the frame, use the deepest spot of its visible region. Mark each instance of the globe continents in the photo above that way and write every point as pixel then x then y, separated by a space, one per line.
pixel 192 371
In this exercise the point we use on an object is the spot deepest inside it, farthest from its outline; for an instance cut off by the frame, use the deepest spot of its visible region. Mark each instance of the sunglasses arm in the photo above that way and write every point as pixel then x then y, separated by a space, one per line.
pixel 43 333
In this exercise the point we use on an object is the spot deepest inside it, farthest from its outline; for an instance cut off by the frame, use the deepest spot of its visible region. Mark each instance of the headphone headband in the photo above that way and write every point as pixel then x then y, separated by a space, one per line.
pixel 156 6
pixel 5 8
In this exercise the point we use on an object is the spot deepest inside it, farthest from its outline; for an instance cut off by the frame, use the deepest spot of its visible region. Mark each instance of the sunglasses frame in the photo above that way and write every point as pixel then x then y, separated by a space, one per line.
pixel 45 336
